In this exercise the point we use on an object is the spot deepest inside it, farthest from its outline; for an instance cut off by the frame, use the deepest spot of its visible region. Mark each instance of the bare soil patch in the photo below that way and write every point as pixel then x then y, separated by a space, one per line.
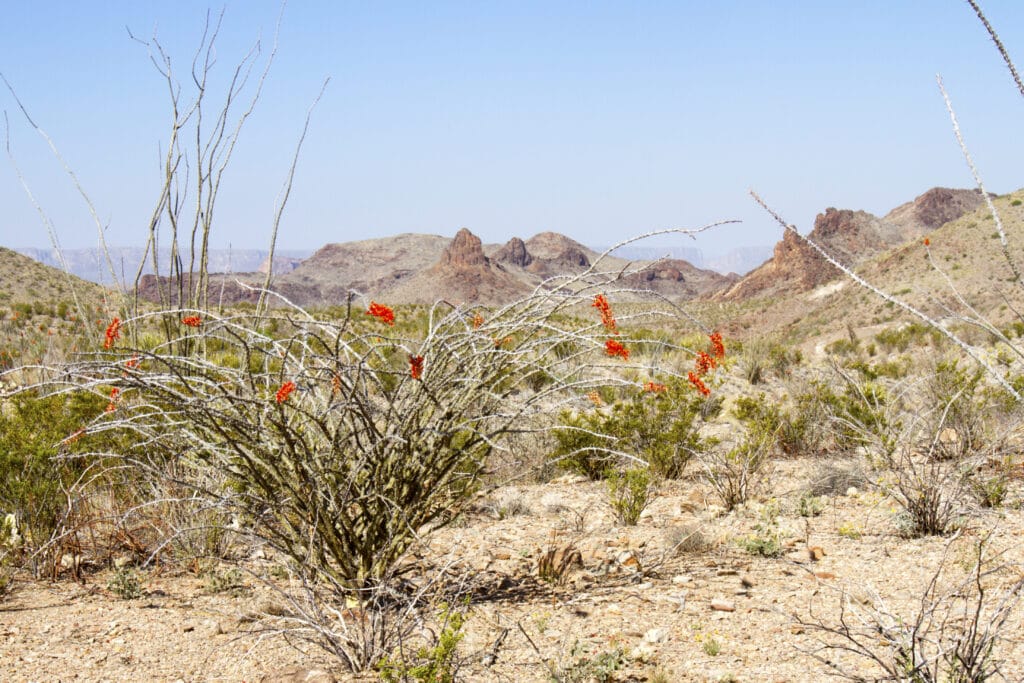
pixel 676 596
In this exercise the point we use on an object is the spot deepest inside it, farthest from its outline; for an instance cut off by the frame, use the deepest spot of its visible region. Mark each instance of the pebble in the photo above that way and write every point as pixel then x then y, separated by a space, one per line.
pixel 682 579
pixel 656 635
pixel 722 605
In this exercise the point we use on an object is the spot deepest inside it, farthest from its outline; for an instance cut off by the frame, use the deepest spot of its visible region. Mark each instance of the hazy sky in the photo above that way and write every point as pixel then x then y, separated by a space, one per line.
pixel 598 120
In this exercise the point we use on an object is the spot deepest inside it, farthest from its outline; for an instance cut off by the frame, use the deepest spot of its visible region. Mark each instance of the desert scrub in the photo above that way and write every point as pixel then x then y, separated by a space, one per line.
pixel 629 492
pixel 736 473
pixel 659 428
pixel 46 447
pixel 766 541
pixel 340 443
pixel 431 663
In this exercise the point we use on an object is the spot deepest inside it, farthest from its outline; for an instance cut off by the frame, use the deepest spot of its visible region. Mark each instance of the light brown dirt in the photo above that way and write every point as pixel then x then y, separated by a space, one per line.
pixel 633 594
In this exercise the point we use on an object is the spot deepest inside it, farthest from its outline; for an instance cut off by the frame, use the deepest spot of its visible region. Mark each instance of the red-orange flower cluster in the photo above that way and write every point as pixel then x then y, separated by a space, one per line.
pixel 416 366
pixel 607 319
pixel 927 242
pixel 717 347
pixel 381 312
pixel 132 362
pixel 114 394
pixel 284 392
pixel 614 348
pixel 655 388
pixel 478 320
pixel 698 384
pixel 192 320
pixel 113 333
pixel 595 398
pixel 706 362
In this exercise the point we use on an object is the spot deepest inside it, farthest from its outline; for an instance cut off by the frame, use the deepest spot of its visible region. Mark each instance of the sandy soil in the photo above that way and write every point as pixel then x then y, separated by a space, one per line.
pixel 703 612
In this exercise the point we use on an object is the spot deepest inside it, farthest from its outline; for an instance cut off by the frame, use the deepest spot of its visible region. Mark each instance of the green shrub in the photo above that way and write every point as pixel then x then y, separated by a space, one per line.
pixel 735 474
pixel 435 663
pixel 956 426
pixel 41 458
pixel 125 584
pixel 629 493
pixel 660 428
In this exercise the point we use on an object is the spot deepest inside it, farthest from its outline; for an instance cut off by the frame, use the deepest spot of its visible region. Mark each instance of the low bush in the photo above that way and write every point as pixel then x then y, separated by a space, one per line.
pixel 629 492
pixel 660 429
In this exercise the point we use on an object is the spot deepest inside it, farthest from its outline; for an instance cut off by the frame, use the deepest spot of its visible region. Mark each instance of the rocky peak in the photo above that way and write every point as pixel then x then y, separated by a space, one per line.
pixel 465 251
pixel 515 253
pixel 934 208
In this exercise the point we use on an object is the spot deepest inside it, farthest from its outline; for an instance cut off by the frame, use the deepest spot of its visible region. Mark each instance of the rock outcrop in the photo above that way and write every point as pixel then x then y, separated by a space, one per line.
pixel 464 274
pixel 678 278
pixel 851 237
pixel 933 209
pixel 514 253
pixel 465 251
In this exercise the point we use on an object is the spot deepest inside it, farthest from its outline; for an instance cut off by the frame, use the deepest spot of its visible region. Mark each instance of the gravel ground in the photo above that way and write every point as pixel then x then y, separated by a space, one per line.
pixel 677 597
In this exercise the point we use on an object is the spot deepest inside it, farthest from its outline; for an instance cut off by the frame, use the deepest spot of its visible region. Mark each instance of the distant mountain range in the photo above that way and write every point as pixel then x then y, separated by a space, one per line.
pixel 794 292
pixel 416 268
pixel 740 260
pixel 90 264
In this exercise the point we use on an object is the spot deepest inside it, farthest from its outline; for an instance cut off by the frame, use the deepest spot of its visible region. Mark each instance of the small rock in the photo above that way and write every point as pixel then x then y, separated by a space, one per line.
pixel 642 653
pixel 797 629
pixel 122 561
pixel 212 627
pixel 656 635
pixel 726 572
pixel 816 552
pixel 501 554
pixel 628 559
pixel 747 582
pixel 824 575
pixel 852 491
pixel 298 675
pixel 722 605
pixel 682 579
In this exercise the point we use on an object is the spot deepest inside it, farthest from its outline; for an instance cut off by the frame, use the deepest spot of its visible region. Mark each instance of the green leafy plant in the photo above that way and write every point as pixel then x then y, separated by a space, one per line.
pixel 766 541
pixel 125 584
pixel 660 428
pixel 435 663
pixel 629 492
pixel 585 668
pixel 735 474
pixel 44 454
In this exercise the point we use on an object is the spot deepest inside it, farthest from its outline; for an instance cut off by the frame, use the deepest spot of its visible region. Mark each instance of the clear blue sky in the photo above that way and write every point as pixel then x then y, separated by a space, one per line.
pixel 598 120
